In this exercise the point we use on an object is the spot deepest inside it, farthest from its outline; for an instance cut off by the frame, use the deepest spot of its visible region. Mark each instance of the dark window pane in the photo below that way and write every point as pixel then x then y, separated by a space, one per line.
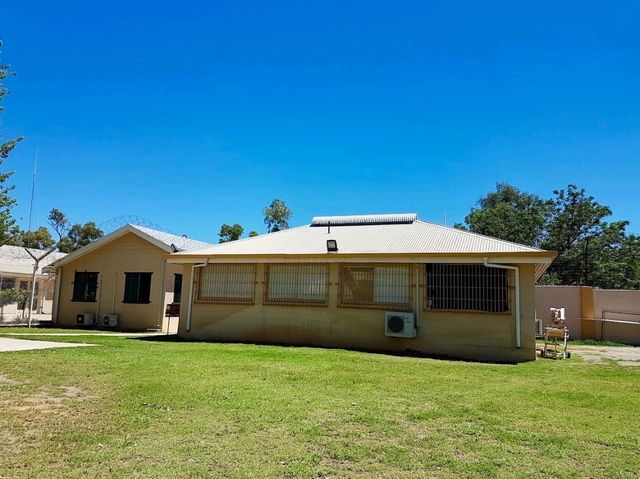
pixel 177 288
pixel 7 283
pixel 85 286
pixel 137 287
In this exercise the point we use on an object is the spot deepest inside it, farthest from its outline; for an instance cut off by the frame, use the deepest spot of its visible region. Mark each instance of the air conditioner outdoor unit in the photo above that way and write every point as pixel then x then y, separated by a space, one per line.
pixel 399 325
pixel 539 328
pixel 84 319
pixel 110 320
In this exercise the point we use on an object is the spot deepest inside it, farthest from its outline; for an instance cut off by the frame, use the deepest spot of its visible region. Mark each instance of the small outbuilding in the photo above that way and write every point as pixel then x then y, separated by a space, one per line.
pixel 122 281
pixel 373 282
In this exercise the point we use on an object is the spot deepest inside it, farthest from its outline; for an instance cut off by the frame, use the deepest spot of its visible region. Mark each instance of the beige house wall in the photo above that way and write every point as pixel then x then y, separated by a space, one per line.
pixel 129 253
pixel 477 336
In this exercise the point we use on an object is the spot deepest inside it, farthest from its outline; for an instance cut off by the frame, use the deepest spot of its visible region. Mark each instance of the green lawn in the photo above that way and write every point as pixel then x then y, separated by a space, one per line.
pixel 146 408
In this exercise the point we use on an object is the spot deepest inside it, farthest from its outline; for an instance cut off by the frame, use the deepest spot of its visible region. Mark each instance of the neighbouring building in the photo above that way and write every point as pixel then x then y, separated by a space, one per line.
pixel 374 282
pixel 16 272
pixel 121 281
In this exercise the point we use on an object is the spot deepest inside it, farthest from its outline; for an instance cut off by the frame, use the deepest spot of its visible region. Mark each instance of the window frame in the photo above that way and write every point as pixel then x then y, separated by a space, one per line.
pixel 84 298
pixel 199 299
pixel 140 274
pixel 7 279
pixel 295 301
pixel 495 271
pixel 373 304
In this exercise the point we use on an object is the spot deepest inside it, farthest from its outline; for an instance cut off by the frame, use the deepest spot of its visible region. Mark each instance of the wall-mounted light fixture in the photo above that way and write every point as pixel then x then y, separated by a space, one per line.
pixel 332 246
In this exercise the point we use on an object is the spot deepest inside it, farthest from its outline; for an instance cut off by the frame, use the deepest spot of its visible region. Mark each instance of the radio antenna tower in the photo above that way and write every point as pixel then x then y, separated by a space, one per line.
pixel 33 188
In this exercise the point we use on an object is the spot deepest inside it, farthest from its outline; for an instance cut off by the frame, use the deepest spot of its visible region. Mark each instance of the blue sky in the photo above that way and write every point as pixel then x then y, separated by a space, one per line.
pixel 196 114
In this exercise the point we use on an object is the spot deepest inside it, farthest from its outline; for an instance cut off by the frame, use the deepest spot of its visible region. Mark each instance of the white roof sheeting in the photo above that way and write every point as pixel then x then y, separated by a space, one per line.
pixel 182 243
pixel 417 237
pixel 15 260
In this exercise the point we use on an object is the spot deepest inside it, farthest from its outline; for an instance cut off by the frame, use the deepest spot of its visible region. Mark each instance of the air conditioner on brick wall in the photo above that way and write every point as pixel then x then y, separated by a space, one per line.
pixel 539 328
pixel 85 319
pixel 399 325
pixel 110 320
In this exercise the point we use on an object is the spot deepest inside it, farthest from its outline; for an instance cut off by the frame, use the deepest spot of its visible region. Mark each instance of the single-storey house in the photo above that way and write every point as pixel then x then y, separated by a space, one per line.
pixel 121 281
pixel 16 272
pixel 373 282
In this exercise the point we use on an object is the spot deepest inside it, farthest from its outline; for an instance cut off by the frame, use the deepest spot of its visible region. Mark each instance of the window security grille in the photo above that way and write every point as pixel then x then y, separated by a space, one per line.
pixel 384 286
pixel 226 284
pixel 305 284
pixel 466 287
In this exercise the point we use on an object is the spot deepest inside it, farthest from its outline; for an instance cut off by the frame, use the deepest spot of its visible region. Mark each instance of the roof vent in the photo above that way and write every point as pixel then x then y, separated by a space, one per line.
pixel 358 220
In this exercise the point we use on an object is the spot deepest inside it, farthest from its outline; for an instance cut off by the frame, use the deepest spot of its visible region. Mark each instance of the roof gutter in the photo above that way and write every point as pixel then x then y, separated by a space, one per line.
pixel 191 288
pixel 517 277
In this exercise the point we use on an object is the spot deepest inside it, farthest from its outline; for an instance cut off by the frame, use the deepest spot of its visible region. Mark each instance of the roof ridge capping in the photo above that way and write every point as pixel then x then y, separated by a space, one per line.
pixel 358 220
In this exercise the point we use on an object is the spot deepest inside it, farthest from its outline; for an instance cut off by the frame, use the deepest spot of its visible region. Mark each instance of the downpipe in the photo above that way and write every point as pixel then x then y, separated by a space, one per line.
pixel 191 288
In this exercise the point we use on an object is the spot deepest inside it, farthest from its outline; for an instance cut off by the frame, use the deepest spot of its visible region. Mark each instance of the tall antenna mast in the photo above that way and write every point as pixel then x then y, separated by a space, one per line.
pixel 33 188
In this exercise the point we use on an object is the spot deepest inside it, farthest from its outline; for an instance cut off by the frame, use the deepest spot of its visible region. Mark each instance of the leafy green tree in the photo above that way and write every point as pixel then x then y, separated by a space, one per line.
pixel 575 225
pixel 509 214
pixel 277 215
pixel 253 233
pixel 230 233
pixel 8 226
pixel 80 235
pixel 591 251
pixel 39 239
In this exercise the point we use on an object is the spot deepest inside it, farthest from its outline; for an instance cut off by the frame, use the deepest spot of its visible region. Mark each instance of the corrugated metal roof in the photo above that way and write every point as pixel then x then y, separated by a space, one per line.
pixel 182 243
pixel 15 260
pixel 397 218
pixel 418 237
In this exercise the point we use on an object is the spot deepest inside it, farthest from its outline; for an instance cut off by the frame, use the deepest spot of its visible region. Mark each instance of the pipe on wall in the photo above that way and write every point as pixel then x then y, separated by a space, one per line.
pixel 191 287
pixel 516 269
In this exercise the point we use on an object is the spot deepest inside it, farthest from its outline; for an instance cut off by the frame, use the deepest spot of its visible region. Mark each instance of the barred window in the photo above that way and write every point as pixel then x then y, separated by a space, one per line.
pixel 227 284
pixel 297 284
pixel 466 287
pixel 375 286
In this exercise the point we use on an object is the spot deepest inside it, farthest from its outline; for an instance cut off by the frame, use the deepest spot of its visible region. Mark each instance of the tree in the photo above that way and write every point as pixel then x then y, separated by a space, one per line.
pixel 58 221
pixel 574 228
pixel 277 215
pixel 8 226
pixel 230 233
pixel 38 239
pixel 253 233
pixel 509 214
pixel 80 235
pixel 591 251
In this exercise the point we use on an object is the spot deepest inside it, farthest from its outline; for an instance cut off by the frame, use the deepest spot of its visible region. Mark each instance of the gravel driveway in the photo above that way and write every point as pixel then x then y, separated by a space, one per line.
pixel 597 354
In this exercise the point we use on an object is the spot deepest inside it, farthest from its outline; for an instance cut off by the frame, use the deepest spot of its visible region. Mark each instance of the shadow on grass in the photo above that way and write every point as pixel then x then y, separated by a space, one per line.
pixel 410 353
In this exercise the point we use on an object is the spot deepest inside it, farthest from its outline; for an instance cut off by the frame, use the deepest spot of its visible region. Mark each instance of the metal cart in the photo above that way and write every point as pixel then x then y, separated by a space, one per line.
pixel 556 336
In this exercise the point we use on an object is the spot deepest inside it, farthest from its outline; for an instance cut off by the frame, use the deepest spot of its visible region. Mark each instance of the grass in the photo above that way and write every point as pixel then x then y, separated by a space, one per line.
pixel 154 409
pixel 596 342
